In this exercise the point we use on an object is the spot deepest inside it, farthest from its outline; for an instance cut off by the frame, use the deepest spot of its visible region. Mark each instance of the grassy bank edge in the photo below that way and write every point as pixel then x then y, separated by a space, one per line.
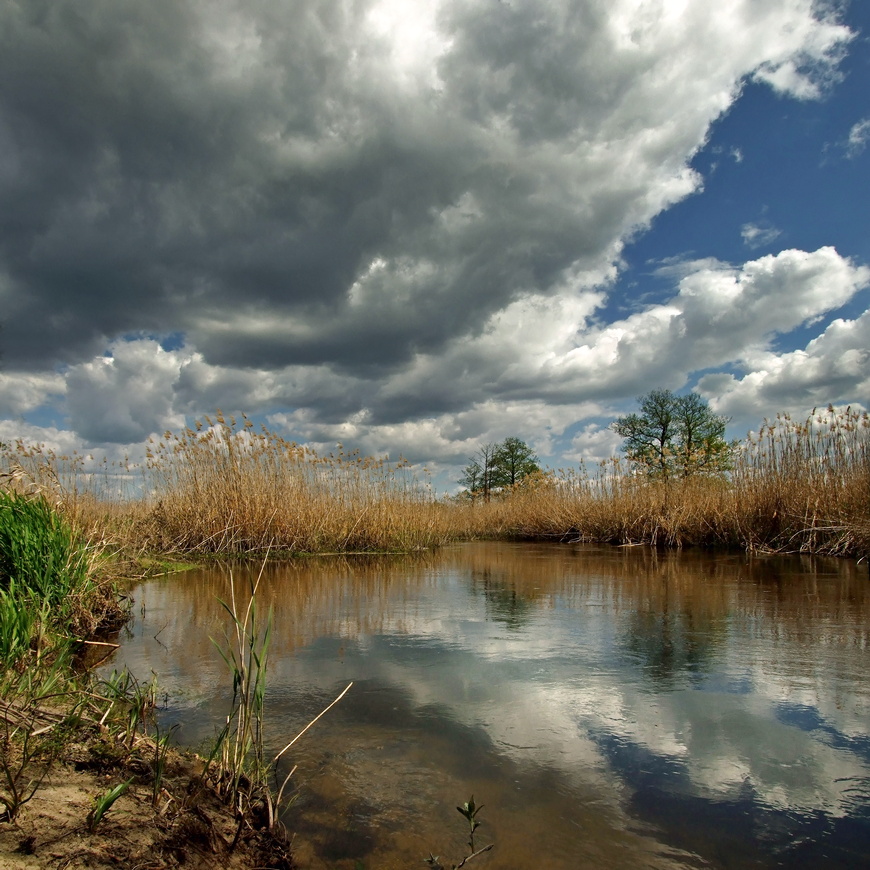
pixel 59 722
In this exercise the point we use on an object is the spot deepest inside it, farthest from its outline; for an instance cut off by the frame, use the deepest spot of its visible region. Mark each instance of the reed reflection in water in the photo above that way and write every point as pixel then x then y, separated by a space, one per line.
pixel 612 707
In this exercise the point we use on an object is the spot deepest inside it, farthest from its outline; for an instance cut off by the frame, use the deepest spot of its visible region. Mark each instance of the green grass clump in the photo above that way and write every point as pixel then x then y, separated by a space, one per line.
pixel 48 591
pixel 22 616
pixel 39 550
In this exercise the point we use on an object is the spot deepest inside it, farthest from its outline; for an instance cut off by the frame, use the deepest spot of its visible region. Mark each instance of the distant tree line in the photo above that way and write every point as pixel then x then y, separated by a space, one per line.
pixel 669 437
pixel 498 467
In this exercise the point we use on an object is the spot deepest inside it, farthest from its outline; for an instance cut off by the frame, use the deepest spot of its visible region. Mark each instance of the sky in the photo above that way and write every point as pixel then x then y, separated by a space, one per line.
pixel 418 227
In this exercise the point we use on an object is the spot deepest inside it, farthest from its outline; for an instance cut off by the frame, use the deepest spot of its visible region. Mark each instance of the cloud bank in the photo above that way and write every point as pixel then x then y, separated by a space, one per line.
pixel 396 224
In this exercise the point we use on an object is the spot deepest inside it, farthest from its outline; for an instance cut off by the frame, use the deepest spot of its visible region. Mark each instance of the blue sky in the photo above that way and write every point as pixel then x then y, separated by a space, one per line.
pixel 795 174
pixel 419 227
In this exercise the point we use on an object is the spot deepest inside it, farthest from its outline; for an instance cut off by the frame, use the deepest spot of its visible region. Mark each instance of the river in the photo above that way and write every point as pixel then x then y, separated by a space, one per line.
pixel 609 707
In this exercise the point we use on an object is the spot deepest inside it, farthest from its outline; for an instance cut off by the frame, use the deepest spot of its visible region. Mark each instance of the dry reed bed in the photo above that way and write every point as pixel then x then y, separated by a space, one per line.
pixel 228 488
pixel 795 487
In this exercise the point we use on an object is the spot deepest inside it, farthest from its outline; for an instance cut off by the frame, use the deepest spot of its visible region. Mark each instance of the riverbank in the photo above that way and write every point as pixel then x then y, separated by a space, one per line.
pixel 86 777
pixel 188 825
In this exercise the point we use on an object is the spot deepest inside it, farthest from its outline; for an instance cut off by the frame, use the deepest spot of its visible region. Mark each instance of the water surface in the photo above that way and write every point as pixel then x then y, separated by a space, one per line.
pixel 611 707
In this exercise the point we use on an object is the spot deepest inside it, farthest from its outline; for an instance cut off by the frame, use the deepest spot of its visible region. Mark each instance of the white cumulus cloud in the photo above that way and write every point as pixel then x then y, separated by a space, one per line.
pixel 858 138
pixel 124 397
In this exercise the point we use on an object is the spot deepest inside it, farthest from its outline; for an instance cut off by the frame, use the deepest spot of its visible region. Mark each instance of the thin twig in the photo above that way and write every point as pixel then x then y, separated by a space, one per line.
pixel 467 858
pixel 325 710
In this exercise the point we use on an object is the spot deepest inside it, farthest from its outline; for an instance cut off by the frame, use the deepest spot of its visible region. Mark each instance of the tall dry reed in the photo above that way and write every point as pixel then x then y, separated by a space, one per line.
pixel 795 487
pixel 805 486
pixel 225 487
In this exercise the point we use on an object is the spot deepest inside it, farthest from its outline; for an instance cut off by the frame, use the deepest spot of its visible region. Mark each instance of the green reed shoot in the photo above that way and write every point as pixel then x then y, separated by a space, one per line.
pixel 242 767
pixel 129 704
pixel 103 803
pixel 161 749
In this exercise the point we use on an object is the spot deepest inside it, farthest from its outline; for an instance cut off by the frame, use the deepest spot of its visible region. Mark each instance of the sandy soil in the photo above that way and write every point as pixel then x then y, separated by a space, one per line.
pixel 190 827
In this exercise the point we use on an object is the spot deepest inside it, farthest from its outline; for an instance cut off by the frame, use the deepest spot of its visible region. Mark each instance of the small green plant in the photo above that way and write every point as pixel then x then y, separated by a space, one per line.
pixel 161 749
pixel 18 752
pixel 469 811
pixel 32 736
pixel 129 704
pixel 141 701
pixel 103 803
pixel 242 770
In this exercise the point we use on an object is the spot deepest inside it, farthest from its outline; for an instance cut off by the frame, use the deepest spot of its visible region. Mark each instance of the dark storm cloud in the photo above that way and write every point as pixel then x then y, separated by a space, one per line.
pixel 380 220
pixel 139 181
pixel 176 165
